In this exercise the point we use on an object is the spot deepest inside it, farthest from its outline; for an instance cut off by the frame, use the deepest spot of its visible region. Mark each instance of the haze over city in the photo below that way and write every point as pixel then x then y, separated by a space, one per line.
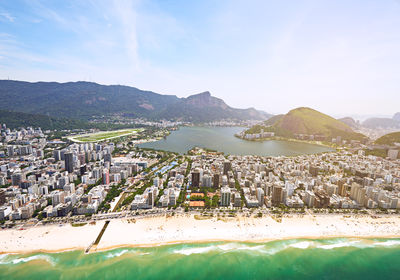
pixel 334 56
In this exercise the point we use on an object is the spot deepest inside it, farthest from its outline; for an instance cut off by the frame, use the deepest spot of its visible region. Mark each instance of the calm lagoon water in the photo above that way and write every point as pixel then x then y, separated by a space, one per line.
pixel 222 139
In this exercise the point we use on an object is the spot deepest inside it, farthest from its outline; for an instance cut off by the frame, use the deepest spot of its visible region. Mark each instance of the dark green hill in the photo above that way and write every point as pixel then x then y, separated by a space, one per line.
pixel 18 119
pixel 79 100
pixel 389 139
pixel 205 108
pixel 308 121
pixel 83 100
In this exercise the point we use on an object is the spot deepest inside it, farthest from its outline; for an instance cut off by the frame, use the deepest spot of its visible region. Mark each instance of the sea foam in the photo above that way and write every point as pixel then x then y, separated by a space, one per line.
pixel 196 250
pixel 46 258
pixel 275 247
pixel 116 254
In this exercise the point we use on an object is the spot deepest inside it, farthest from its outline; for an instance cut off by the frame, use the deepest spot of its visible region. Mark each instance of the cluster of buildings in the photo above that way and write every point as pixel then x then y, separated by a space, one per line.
pixel 121 118
pixel 53 179
pixel 37 176
pixel 253 136
pixel 317 137
pixel 165 189
pixel 334 180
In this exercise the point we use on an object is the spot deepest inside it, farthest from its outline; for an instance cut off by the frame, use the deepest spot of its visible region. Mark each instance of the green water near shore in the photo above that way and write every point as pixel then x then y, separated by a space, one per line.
pixel 222 139
pixel 338 258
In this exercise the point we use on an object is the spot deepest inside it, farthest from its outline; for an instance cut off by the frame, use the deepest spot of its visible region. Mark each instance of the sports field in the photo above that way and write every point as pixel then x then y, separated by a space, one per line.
pixel 103 135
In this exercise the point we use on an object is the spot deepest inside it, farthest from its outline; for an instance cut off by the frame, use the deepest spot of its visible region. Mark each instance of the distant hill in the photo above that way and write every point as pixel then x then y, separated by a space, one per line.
pixel 308 121
pixel 205 108
pixel 381 123
pixel 349 121
pixel 79 100
pixel 18 119
pixel 83 100
pixel 396 117
pixel 389 139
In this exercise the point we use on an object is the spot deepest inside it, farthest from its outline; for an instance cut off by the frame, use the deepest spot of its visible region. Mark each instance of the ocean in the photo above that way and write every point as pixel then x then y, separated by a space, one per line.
pixel 339 258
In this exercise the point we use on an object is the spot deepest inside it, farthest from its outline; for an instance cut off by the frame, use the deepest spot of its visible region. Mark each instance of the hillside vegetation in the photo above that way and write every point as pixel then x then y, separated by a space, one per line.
pixel 389 139
pixel 203 107
pixel 307 121
pixel 84 100
pixel 18 119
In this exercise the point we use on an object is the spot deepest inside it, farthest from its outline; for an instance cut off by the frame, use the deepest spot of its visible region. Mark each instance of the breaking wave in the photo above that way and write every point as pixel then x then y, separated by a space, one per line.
pixel 116 254
pixel 278 246
pixel 12 260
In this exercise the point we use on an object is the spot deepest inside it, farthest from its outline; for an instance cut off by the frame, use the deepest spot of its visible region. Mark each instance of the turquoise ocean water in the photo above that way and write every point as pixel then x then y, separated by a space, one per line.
pixel 288 259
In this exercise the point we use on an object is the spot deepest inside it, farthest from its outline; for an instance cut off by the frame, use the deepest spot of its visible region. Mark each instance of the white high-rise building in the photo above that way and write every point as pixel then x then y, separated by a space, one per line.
pixel 225 196
pixel 260 196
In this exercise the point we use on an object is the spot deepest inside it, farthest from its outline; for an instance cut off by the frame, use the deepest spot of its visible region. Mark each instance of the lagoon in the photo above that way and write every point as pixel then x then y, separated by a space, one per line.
pixel 222 139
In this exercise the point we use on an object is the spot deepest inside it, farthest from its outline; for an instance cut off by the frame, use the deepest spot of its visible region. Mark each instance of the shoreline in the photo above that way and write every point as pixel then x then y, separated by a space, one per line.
pixel 256 241
pixel 198 242
pixel 164 231
pixel 279 138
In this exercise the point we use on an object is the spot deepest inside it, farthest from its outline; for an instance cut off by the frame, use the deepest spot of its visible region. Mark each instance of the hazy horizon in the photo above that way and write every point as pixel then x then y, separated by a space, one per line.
pixel 339 58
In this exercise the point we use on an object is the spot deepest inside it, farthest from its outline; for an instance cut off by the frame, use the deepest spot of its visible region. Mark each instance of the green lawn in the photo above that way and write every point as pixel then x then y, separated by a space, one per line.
pixel 104 135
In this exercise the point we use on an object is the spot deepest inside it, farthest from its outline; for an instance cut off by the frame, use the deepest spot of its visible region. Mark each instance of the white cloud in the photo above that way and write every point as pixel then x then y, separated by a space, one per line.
pixel 4 16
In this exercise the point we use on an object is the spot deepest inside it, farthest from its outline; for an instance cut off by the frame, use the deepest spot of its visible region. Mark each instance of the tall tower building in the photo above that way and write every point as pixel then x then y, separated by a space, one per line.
pixel 108 157
pixel 69 162
pixel 227 167
pixel 196 178
pixel 277 195
pixel 2 196
pixel 10 151
pixel 106 177
pixel 225 196
pixel 216 180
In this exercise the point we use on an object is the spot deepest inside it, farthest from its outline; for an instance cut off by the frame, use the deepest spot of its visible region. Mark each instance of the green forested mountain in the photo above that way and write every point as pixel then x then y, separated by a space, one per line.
pixel 19 119
pixel 79 100
pixel 389 139
pixel 207 108
pixel 83 100
pixel 307 121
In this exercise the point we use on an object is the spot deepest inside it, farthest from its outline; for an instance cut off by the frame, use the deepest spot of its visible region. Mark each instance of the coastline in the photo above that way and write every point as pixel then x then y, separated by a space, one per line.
pixel 162 231
pixel 278 138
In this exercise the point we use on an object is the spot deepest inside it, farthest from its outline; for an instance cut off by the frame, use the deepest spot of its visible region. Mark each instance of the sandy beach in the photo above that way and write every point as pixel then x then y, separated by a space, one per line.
pixel 154 231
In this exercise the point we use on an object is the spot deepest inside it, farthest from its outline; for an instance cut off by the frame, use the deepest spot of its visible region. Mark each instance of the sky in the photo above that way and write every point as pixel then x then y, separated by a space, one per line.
pixel 340 57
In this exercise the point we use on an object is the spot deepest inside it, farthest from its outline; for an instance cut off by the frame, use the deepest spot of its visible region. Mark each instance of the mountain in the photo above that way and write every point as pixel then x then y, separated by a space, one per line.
pixel 381 123
pixel 19 119
pixel 83 100
pixel 308 121
pixel 349 121
pixel 79 100
pixel 389 139
pixel 205 108
pixel 396 117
